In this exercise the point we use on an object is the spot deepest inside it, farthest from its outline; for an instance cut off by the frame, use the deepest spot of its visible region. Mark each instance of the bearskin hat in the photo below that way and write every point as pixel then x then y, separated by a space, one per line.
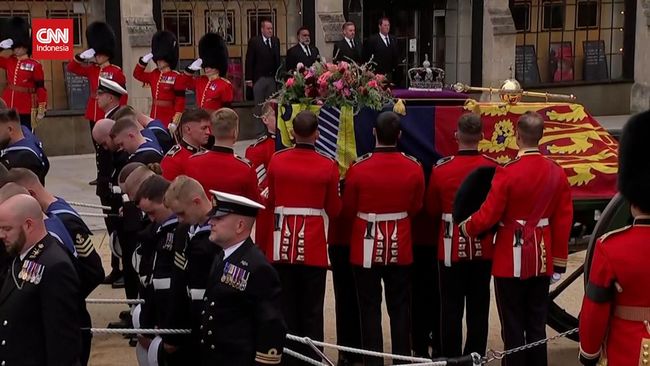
pixel 633 162
pixel 17 29
pixel 164 46
pixel 472 193
pixel 214 53
pixel 101 38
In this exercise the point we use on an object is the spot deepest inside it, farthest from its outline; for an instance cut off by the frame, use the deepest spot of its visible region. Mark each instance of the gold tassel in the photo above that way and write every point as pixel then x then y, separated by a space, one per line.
pixel 400 107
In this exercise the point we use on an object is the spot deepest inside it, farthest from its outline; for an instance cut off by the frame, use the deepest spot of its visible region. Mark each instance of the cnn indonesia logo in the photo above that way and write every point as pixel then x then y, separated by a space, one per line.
pixel 52 39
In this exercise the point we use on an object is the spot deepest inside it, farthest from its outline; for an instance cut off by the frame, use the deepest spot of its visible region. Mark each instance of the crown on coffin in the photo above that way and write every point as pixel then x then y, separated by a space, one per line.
pixel 426 77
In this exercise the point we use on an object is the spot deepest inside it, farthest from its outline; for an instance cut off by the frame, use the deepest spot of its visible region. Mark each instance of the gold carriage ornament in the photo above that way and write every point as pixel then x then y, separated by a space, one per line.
pixel 511 92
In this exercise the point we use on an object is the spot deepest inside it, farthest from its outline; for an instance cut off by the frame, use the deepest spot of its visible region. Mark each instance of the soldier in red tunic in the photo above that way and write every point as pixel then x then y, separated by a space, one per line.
pixel 25 90
pixel 530 200
pixel 193 133
pixel 303 193
pixel 213 90
pixel 615 314
pixel 260 154
pixel 380 208
pixel 465 264
pixel 218 168
pixel 167 85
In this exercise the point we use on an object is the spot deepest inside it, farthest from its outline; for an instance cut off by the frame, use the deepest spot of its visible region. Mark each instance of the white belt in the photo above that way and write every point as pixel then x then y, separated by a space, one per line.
pixel 281 212
pixel 447 237
pixel 382 217
pixel 196 293
pixel 516 249
pixel 299 211
pixel 162 283
pixel 541 223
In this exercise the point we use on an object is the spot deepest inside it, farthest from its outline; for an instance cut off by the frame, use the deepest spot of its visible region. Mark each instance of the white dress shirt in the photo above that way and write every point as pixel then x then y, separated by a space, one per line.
pixel 228 251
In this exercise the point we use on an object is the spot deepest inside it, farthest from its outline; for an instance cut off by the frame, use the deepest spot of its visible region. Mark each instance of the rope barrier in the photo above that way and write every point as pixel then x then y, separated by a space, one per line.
pixel 92 214
pixel 115 301
pixel 302 357
pixel 137 331
pixel 89 205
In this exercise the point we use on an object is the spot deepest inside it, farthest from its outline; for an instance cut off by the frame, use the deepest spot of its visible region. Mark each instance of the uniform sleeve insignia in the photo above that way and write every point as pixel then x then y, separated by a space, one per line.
pixel 444 160
pixel 174 150
pixel 83 245
pixel 413 158
pixel 244 160
pixel 612 233
pixel 272 357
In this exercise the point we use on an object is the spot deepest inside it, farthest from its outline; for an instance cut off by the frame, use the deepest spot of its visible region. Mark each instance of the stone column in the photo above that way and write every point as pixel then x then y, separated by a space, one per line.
pixel 458 41
pixel 329 20
pixel 138 27
pixel 499 40
pixel 640 94
pixel 96 11
pixel 294 22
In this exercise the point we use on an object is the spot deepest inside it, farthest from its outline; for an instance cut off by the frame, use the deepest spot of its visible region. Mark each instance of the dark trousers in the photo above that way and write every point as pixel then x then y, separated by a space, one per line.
pixel 464 284
pixel 303 298
pixel 348 325
pixel 523 307
pixel 397 282
pixel 426 302
pixel 26 120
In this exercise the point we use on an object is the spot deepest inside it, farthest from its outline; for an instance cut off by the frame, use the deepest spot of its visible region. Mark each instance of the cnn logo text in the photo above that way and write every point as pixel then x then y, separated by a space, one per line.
pixel 52 39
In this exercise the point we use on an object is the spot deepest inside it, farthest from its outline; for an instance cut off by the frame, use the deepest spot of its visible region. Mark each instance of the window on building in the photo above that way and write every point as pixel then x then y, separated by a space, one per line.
pixel 587 14
pixel 553 13
pixel 180 23
pixel 521 16
pixel 77 26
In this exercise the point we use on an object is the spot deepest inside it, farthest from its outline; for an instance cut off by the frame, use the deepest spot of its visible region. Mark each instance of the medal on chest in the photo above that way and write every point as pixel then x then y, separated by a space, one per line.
pixel 168 79
pixel 31 272
pixel 26 66
pixel 235 276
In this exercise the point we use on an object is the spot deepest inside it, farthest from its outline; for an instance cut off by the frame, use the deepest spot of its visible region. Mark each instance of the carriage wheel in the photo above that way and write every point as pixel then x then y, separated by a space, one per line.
pixel 561 310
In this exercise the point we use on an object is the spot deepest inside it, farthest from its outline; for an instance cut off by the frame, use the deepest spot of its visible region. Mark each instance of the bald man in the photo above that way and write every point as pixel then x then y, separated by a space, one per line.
pixel 39 307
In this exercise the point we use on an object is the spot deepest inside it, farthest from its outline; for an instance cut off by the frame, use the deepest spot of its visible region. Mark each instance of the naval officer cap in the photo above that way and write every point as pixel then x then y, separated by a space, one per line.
pixel 109 86
pixel 226 203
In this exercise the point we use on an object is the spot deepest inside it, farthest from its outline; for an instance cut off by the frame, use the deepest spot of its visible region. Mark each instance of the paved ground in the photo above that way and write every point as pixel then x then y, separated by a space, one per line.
pixel 68 178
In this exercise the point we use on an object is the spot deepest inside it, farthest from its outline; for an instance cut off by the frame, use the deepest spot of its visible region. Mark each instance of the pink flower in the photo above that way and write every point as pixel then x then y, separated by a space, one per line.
pixel 290 82
pixel 346 92
pixel 338 84
pixel 373 84
pixel 300 66
pixel 343 66
pixel 319 102
pixel 380 77
pixel 331 68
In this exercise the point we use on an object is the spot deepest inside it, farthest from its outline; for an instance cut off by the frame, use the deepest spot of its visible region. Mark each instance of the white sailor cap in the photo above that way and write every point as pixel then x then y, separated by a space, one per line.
pixel 109 86
pixel 226 203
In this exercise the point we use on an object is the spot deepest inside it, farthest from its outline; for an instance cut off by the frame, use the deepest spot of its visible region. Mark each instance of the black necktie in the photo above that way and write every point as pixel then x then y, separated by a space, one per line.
pixel 268 43
pixel 352 43
pixel 387 41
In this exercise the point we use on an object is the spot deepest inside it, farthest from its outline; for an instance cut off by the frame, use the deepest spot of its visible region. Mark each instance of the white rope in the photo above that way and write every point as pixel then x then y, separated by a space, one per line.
pixel 138 331
pixel 358 351
pixel 303 358
pixel 115 301
pixel 92 214
pixel 430 363
pixel 89 205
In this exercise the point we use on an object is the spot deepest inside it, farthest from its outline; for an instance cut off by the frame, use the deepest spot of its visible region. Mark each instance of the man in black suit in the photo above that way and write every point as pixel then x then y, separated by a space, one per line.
pixel 303 52
pixel 347 49
pixel 242 322
pixel 262 64
pixel 39 299
pixel 382 48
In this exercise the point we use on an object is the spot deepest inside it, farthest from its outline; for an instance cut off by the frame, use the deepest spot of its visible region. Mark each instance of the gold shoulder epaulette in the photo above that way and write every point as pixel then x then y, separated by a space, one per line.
pixel 243 160
pixel 174 150
pixel 413 158
pixel 603 237
pixel 444 160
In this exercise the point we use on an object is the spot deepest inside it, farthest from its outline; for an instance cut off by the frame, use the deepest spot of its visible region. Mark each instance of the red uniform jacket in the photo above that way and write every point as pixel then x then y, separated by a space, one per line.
pixel 531 183
pixel 446 178
pixel 303 192
pixel 259 154
pixel 617 300
pixel 174 162
pixel 220 169
pixel 93 72
pixel 383 190
pixel 167 92
pixel 25 87
pixel 210 94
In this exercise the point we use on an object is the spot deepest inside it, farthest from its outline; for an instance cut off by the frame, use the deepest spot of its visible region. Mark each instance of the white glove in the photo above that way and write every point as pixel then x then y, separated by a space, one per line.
pixel 7 43
pixel 555 278
pixel 146 58
pixel 87 54
pixel 40 115
pixel 196 65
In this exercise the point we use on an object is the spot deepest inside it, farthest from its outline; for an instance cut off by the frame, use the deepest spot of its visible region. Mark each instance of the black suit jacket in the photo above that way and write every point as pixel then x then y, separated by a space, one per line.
pixel 296 54
pixel 243 322
pixel 39 322
pixel 386 57
pixel 260 59
pixel 343 51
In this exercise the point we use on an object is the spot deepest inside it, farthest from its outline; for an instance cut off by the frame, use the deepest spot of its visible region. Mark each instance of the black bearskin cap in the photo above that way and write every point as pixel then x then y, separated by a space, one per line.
pixel 214 53
pixel 101 38
pixel 17 29
pixel 165 47
pixel 472 192
pixel 633 162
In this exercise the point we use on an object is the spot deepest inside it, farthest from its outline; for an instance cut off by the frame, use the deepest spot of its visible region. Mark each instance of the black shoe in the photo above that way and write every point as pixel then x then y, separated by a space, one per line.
pixel 133 342
pixel 93 182
pixel 125 315
pixel 120 324
pixel 118 283
pixel 112 277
